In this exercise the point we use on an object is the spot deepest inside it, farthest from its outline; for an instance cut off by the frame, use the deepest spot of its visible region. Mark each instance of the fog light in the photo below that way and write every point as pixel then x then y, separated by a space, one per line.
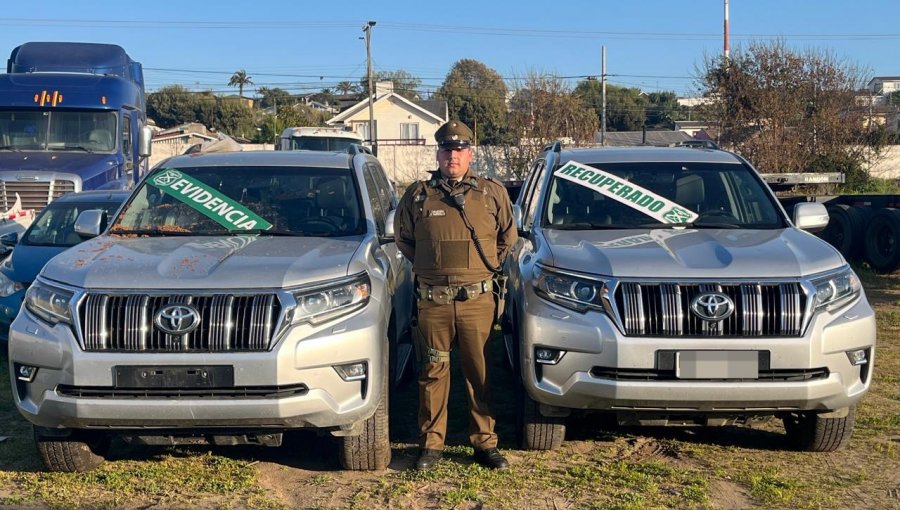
pixel 25 372
pixel 547 356
pixel 857 357
pixel 352 371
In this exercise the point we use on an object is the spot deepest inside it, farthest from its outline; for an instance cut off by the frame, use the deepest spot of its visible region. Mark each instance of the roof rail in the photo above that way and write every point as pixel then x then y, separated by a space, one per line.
pixel 553 147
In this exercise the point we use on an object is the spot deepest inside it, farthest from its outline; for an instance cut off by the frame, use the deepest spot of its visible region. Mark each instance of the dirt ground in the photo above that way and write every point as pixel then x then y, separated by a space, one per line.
pixel 600 465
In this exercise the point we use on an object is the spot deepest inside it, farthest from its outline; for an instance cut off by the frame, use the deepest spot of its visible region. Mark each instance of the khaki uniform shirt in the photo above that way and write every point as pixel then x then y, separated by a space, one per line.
pixel 430 230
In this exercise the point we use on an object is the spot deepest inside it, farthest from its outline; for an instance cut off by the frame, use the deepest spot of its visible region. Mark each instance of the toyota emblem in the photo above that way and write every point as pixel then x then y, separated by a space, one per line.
pixel 177 319
pixel 712 306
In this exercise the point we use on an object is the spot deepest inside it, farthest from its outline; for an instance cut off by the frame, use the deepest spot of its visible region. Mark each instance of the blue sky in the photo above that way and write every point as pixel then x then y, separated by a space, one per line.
pixel 305 46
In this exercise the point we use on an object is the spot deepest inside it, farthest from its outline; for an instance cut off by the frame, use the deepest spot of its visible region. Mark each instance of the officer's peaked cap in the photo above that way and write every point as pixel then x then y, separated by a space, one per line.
pixel 453 135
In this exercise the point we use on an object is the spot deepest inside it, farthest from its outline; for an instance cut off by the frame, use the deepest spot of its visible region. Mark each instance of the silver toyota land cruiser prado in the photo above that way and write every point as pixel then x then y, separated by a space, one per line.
pixel 668 286
pixel 235 296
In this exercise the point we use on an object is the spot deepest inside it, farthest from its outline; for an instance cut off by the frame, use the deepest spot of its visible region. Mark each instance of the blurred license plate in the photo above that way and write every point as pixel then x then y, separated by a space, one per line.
pixel 717 364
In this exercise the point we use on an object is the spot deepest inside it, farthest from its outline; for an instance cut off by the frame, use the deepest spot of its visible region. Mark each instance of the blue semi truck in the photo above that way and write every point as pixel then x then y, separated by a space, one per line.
pixel 72 118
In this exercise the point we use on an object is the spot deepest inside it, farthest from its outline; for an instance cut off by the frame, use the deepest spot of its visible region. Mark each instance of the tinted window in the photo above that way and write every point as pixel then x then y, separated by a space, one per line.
pixel 718 193
pixel 55 225
pixel 321 143
pixel 297 201
pixel 379 207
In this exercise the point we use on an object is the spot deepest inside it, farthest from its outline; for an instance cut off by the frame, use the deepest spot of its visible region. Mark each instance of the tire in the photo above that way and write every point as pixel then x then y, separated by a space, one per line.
pixel 371 450
pixel 812 432
pixel 539 432
pixel 79 452
pixel 882 241
pixel 845 225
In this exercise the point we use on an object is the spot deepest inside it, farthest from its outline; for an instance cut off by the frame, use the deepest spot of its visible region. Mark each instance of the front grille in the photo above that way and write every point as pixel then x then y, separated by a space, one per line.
pixel 238 392
pixel 228 323
pixel 34 194
pixel 650 374
pixel 664 309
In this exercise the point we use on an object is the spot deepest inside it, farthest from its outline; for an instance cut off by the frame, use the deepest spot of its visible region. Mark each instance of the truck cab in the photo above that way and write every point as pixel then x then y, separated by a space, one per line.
pixel 317 139
pixel 72 118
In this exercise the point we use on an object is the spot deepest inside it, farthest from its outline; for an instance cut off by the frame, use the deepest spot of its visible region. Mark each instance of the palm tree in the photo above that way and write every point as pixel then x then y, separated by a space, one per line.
pixel 346 87
pixel 240 79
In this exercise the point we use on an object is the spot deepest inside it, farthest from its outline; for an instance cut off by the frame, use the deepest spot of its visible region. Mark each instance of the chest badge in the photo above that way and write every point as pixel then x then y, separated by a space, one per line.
pixel 436 212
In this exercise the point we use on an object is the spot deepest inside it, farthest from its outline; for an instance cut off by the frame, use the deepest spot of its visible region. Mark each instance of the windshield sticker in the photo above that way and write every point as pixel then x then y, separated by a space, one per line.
pixel 626 192
pixel 654 236
pixel 208 201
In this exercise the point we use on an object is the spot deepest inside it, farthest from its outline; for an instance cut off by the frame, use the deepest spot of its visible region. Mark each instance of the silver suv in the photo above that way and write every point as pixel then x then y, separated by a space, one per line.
pixel 234 297
pixel 668 286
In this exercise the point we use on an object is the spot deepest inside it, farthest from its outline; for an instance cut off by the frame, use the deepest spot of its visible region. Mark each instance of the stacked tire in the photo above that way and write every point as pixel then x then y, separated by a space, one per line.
pixel 864 233
pixel 882 240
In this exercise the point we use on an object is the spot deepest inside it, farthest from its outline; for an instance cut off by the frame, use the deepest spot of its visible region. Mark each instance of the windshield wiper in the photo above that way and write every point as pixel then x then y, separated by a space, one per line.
pixel 587 226
pixel 260 232
pixel 77 148
pixel 152 232
pixel 9 148
pixel 690 224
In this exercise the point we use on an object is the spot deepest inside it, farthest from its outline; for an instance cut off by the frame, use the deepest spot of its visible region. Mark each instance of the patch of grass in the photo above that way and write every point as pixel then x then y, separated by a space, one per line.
pixel 320 480
pixel 771 487
pixel 888 318
pixel 880 423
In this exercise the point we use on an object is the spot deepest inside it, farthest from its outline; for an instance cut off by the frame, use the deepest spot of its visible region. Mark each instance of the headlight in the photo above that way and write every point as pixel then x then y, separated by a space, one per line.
pixel 836 289
pixel 579 293
pixel 49 303
pixel 8 286
pixel 330 300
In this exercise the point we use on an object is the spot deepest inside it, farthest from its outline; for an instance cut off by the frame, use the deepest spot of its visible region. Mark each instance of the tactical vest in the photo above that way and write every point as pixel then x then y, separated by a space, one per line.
pixel 445 253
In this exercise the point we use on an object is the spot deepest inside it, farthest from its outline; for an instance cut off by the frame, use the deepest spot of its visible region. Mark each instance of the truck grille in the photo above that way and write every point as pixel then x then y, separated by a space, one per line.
pixel 34 194
pixel 663 309
pixel 228 323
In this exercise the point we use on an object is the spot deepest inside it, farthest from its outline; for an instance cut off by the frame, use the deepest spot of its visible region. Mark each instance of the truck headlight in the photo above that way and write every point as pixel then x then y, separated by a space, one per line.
pixel 49 303
pixel 319 303
pixel 836 289
pixel 580 293
pixel 8 286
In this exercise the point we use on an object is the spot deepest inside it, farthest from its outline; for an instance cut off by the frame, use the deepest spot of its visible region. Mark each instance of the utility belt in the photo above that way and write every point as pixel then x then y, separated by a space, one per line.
pixel 446 294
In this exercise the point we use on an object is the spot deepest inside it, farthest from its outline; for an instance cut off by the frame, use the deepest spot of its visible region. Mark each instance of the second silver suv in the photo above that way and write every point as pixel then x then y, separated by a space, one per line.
pixel 234 297
pixel 668 286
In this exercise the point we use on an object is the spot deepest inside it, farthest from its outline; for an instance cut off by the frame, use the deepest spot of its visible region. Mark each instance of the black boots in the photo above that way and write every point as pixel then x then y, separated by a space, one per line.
pixel 491 458
pixel 428 458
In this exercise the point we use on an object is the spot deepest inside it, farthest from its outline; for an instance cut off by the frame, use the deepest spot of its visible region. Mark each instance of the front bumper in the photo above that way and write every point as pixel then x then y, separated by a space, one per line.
pixel 304 358
pixel 602 369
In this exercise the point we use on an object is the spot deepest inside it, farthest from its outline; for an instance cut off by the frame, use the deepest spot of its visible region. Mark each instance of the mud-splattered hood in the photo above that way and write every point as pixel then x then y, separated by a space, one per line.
pixel 227 262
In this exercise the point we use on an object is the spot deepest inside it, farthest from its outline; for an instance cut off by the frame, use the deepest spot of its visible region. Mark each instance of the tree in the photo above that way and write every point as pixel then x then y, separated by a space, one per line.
pixel 788 111
pixel 542 110
pixel 171 106
pixel 239 79
pixel 405 84
pixel 273 96
pixel 663 110
pixel 476 95
pixel 626 108
pixel 346 87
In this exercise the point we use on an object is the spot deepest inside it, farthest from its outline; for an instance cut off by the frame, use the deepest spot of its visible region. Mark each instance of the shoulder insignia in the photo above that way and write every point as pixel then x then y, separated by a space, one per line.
pixel 419 198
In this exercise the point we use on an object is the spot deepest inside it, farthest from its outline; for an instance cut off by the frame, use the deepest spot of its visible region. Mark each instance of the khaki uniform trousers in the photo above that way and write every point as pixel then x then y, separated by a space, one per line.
pixel 469 323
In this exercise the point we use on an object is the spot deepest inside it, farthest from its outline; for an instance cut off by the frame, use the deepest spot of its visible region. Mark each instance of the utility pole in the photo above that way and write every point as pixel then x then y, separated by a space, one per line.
pixel 725 48
pixel 603 95
pixel 368 30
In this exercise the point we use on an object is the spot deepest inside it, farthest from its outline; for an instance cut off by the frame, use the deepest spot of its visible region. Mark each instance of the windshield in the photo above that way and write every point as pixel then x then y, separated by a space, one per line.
pixel 85 131
pixel 55 225
pixel 238 200
pixel 712 195
pixel 322 143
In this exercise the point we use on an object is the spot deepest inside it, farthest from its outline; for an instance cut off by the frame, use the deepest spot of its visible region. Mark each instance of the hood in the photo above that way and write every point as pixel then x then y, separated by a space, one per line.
pixel 703 253
pixel 27 261
pixel 79 163
pixel 226 262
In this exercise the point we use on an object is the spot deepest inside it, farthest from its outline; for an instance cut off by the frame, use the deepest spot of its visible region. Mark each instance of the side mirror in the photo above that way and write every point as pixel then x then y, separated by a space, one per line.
pixel 90 223
pixel 517 216
pixel 388 236
pixel 10 239
pixel 810 216
pixel 144 139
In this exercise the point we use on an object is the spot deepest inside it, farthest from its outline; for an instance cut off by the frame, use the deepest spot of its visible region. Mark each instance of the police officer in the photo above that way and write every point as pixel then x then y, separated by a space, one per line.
pixel 456 228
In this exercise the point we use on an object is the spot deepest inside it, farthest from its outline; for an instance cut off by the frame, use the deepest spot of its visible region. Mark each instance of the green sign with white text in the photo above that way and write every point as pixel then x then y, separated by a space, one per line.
pixel 208 201
pixel 630 194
